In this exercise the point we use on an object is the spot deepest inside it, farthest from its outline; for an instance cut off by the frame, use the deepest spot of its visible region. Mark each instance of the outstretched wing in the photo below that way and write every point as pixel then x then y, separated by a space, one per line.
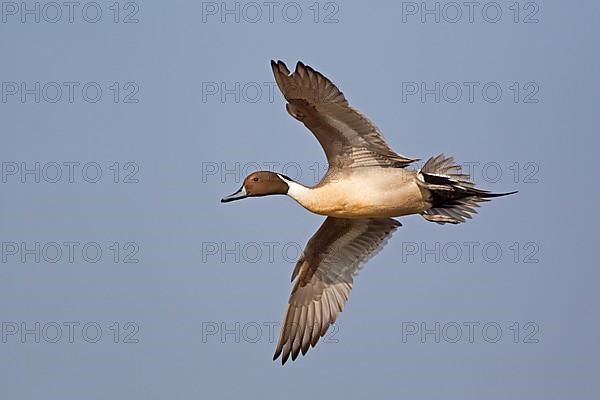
pixel 323 278
pixel 348 138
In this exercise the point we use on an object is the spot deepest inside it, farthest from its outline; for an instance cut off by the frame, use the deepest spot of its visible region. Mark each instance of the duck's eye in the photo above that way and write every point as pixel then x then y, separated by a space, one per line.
pixel 255 179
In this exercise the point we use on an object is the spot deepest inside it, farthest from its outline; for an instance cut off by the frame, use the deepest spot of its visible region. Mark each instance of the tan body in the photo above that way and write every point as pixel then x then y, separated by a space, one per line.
pixel 365 192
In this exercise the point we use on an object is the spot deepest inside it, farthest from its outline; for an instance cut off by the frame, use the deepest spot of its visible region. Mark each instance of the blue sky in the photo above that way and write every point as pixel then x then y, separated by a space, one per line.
pixel 120 136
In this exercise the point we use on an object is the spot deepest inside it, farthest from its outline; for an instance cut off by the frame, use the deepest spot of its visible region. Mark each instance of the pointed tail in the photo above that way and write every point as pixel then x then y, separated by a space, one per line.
pixel 453 196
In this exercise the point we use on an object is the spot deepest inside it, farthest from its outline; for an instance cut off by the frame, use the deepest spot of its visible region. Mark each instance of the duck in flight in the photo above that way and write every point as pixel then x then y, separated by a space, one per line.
pixel 366 184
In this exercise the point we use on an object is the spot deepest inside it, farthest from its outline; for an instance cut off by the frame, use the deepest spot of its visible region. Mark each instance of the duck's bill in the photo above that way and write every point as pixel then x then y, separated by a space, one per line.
pixel 240 194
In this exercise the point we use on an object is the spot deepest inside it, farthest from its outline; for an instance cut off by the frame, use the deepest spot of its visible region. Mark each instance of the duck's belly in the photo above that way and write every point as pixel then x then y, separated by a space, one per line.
pixel 388 192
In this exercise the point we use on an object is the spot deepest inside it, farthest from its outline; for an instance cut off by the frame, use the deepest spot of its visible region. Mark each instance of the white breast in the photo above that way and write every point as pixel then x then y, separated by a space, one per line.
pixel 366 192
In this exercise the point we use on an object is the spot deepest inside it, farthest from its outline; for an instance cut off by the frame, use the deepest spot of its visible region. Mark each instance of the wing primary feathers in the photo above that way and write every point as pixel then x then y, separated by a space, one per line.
pixel 323 278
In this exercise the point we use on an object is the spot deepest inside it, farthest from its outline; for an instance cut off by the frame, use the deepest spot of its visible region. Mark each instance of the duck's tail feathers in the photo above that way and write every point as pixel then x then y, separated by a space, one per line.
pixel 454 198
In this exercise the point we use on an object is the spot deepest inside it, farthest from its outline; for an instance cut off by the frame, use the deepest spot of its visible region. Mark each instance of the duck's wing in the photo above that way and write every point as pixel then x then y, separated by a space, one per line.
pixel 348 138
pixel 323 278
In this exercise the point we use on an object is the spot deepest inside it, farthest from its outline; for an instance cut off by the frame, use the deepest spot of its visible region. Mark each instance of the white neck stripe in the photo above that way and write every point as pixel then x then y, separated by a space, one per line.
pixel 295 190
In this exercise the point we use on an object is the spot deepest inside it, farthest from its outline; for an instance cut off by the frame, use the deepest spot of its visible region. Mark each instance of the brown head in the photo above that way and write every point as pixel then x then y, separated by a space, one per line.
pixel 260 183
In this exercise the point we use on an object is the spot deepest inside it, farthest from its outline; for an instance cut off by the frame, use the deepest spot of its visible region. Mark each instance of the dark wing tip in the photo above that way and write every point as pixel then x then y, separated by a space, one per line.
pixel 278 351
pixel 302 68
pixel 279 67
pixel 285 354
pixel 311 69
pixel 285 357
pixel 275 64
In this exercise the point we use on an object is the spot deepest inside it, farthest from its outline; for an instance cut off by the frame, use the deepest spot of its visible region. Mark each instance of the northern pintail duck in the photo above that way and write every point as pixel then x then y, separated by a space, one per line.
pixel 365 185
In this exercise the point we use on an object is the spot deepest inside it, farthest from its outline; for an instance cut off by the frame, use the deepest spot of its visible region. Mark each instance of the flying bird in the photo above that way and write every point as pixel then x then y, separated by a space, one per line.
pixel 366 184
